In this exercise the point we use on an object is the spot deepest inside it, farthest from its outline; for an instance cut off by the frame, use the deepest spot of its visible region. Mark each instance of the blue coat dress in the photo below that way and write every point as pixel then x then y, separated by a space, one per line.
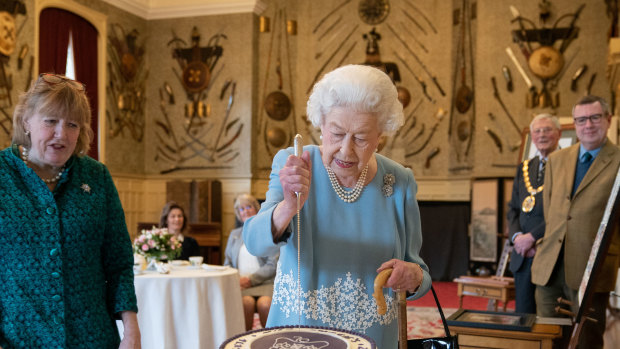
pixel 66 257
pixel 342 245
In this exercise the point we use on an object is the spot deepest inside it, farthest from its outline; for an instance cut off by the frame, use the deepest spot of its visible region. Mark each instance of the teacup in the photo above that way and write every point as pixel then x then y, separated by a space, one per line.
pixel 196 261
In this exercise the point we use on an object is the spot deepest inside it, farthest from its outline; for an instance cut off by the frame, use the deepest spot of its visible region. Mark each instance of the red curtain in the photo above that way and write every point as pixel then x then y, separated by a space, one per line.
pixel 55 27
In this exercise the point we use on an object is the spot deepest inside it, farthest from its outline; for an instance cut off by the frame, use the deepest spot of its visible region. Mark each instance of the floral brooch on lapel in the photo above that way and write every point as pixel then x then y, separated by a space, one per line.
pixel 388 184
pixel 86 188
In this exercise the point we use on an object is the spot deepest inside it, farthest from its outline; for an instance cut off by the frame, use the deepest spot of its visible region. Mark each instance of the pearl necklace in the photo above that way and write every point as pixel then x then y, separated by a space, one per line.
pixel 348 196
pixel 54 179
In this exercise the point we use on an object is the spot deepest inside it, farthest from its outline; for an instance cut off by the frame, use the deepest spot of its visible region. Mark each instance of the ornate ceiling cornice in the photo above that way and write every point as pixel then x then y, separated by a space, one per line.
pixel 160 9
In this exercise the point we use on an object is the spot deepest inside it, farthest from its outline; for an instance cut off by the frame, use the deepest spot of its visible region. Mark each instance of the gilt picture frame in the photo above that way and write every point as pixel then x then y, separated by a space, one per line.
pixel 492 320
pixel 528 150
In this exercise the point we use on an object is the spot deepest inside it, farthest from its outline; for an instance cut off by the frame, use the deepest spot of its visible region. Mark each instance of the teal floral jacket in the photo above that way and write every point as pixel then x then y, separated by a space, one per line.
pixel 66 263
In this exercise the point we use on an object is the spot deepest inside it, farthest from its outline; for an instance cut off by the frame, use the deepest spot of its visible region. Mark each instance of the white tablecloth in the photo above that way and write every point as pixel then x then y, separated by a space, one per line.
pixel 189 308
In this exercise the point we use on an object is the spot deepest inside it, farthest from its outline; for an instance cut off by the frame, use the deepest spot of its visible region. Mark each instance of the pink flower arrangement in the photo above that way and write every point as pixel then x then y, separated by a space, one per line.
pixel 157 243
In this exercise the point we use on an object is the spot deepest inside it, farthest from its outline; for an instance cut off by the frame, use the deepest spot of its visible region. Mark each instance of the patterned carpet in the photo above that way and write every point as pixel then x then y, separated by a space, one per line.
pixel 425 322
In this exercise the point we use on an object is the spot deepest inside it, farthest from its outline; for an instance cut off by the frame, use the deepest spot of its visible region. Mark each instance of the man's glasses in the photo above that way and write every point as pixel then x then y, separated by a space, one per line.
pixel 54 79
pixel 595 119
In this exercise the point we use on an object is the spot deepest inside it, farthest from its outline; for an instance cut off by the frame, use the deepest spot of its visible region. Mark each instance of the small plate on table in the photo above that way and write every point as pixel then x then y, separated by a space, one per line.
pixel 179 263
pixel 213 267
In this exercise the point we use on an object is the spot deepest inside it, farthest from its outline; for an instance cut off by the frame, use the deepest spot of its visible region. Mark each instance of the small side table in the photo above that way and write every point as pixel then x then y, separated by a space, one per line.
pixel 494 287
pixel 541 337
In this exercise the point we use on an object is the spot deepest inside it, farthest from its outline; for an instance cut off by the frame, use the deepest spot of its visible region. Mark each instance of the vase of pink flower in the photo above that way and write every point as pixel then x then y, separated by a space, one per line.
pixel 157 244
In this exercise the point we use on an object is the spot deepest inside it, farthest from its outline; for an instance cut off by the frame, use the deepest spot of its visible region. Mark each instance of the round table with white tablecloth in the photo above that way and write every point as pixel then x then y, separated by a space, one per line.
pixel 189 308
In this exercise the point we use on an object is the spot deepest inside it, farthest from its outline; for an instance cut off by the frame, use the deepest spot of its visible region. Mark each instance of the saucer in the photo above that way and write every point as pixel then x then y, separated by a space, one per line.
pixel 179 263
pixel 211 267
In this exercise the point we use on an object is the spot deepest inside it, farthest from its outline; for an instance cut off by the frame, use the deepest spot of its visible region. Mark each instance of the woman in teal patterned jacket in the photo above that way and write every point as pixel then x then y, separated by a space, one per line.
pixel 65 252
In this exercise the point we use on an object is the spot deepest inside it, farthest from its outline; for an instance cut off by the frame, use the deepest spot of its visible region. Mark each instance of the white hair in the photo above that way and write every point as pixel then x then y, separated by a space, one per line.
pixel 361 88
pixel 546 116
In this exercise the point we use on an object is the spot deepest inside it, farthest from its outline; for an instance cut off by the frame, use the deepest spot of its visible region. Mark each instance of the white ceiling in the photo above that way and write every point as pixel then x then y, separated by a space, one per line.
pixel 159 9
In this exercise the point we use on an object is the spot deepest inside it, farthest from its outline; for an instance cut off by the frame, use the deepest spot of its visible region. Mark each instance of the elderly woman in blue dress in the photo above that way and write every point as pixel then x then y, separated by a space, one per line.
pixel 256 273
pixel 359 213
pixel 67 259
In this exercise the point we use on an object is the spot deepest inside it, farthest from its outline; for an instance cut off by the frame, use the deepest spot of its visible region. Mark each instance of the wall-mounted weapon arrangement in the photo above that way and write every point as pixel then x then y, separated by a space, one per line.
pixel 418 148
pixel 204 136
pixel 463 106
pixel 9 32
pixel 277 118
pixel 336 45
pixel 127 80
pixel 544 60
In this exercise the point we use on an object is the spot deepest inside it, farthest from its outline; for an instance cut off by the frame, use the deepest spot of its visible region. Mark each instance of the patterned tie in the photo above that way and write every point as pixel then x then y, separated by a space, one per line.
pixel 582 168
pixel 541 172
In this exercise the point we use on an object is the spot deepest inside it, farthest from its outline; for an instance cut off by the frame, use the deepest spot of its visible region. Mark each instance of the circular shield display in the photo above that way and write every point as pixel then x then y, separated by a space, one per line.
pixel 7 33
pixel 278 105
pixel 196 76
pixel 546 62
pixel 276 137
pixel 129 66
pixel 403 96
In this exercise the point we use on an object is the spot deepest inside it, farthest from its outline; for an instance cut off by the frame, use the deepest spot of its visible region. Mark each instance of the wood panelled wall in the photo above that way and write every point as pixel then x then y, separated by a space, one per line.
pixel 144 197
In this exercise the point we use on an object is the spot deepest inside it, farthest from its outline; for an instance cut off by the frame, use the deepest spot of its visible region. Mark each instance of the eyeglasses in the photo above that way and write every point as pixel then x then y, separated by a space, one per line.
pixel 245 208
pixel 54 79
pixel 595 119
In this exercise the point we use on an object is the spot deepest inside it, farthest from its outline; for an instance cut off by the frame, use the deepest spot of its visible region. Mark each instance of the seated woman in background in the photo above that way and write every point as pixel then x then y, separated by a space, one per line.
pixel 173 217
pixel 257 273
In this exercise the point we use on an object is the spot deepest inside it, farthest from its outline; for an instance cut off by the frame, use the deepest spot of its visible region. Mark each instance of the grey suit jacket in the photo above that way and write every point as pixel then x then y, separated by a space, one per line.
pixel 267 271
pixel 574 222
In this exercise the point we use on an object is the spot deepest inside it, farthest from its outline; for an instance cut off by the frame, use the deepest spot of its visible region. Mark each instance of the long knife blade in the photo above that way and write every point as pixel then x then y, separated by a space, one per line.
pixel 512 56
pixel 433 77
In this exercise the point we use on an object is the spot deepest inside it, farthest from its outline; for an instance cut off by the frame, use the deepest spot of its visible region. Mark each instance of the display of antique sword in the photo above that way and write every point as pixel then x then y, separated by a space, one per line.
pixel 430 156
pixel 404 26
pixel 554 83
pixel 338 20
pixel 578 74
pixel 528 82
pixel 320 71
pixel 501 103
pixel 417 78
pixel 591 83
pixel 430 24
pixel 508 78
pixel 525 47
pixel 495 138
pixel 572 33
pixel 329 14
pixel 433 77
pixel 410 17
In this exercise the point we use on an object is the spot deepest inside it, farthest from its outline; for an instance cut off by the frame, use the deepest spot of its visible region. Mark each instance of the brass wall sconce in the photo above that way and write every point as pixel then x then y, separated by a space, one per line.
pixel 263 24
pixel 291 27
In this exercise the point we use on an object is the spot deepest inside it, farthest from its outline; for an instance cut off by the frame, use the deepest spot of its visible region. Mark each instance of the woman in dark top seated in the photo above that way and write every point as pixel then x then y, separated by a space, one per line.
pixel 173 217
